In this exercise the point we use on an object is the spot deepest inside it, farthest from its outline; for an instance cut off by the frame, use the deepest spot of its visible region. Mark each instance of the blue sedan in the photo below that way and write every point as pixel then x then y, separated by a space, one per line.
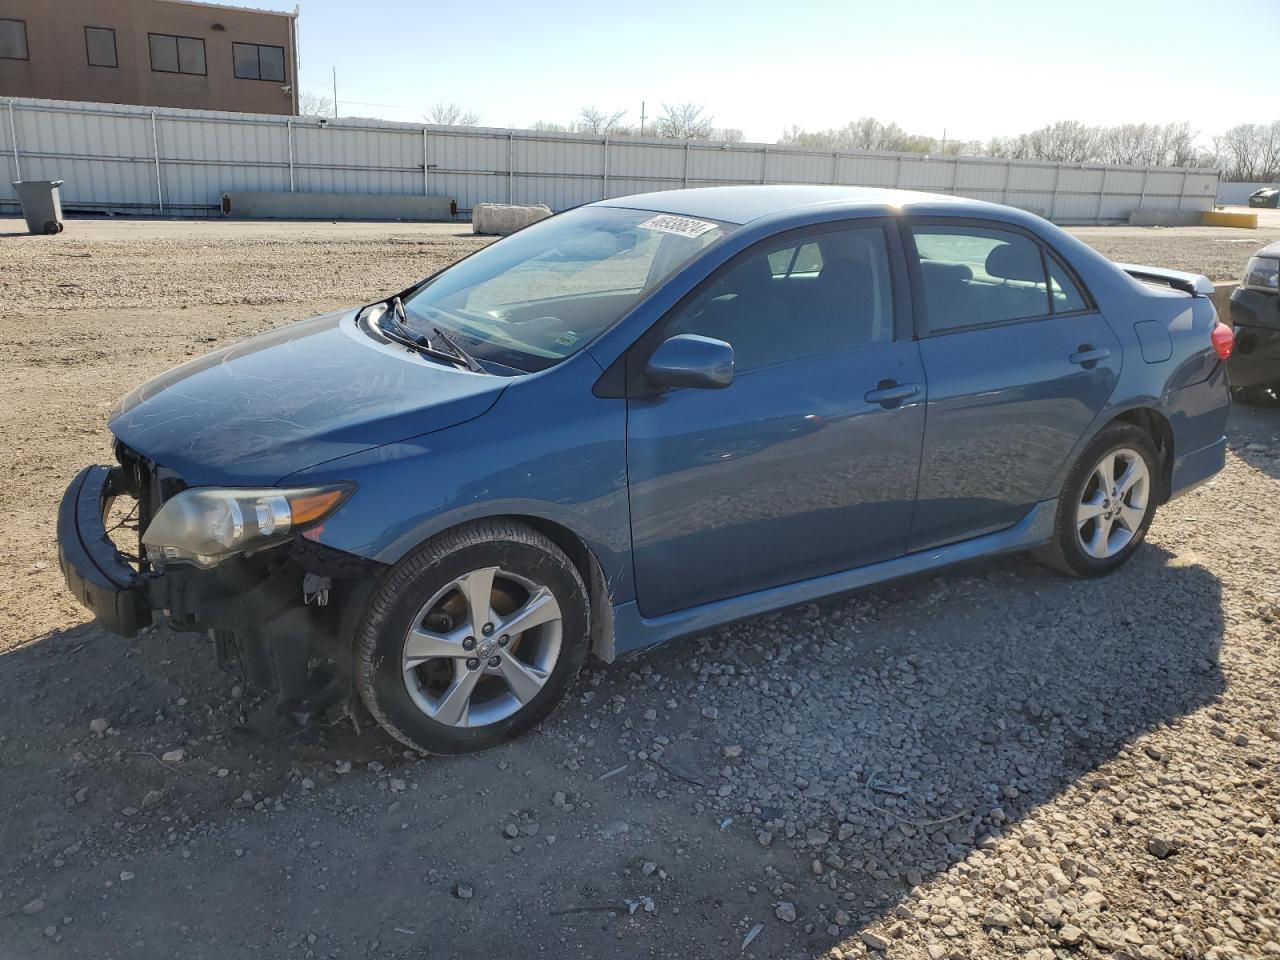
pixel 640 419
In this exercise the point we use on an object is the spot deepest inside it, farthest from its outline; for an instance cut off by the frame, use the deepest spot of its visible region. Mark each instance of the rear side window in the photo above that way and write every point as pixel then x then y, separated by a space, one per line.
pixel 803 297
pixel 975 275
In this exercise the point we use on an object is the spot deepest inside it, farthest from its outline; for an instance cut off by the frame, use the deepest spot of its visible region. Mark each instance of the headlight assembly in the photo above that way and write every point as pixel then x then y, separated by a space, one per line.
pixel 1262 274
pixel 205 525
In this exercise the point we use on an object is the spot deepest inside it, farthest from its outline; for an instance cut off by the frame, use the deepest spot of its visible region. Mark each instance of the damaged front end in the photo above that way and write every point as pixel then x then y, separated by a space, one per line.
pixel 236 565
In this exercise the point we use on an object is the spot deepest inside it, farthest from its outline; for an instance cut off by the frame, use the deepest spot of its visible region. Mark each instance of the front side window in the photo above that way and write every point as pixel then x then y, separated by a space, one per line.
pixel 255 61
pixel 975 275
pixel 100 46
pixel 171 54
pixel 796 298
pixel 13 40
pixel 542 294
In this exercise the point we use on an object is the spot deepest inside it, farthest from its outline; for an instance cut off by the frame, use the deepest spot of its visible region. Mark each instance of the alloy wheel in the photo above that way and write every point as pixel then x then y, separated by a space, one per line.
pixel 1113 504
pixel 482 647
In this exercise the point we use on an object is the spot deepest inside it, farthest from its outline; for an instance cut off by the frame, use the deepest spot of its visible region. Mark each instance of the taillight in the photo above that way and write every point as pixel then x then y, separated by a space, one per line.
pixel 1223 340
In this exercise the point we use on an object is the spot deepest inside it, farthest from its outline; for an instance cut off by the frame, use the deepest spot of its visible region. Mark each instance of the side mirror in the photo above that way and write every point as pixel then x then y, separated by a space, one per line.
pixel 688 360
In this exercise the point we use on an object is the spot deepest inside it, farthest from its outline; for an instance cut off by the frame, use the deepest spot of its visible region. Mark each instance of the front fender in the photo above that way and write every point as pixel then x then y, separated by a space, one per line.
pixel 548 449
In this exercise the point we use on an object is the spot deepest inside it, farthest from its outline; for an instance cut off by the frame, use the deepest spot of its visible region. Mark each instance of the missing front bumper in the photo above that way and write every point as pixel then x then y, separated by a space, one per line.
pixel 264 613
pixel 96 572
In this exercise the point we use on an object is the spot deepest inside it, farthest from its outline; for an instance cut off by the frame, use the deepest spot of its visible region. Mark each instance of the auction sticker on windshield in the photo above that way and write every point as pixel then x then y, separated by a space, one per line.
pixel 681 226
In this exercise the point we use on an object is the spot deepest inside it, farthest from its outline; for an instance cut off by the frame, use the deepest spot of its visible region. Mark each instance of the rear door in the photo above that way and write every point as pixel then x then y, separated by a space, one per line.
pixel 806 464
pixel 1019 363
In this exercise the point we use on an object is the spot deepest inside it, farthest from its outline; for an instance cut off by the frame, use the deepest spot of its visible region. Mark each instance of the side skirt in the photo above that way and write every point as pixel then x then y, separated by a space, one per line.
pixel 635 632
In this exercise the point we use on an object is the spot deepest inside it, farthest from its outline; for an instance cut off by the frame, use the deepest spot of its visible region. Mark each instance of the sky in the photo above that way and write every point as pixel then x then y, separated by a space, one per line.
pixel 972 68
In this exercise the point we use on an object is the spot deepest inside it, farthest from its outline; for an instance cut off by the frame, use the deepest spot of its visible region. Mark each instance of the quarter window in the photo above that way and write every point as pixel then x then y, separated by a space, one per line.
pixel 798 298
pixel 177 54
pixel 1066 295
pixel 974 276
pixel 13 40
pixel 100 46
pixel 255 61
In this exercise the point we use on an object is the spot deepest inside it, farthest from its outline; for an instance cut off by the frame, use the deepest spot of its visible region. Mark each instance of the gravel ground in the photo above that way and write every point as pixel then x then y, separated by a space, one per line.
pixel 994 762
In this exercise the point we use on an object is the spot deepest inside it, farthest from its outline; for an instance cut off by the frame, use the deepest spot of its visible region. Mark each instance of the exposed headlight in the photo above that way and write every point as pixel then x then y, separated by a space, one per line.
pixel 205 525
pixel 1262 274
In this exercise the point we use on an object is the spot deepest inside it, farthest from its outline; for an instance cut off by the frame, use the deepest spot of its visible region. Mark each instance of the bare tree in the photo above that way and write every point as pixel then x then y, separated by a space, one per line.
pixel 685 121
pixel 593 120
pixel 451 115
pixel 314 104
pixel 1251 151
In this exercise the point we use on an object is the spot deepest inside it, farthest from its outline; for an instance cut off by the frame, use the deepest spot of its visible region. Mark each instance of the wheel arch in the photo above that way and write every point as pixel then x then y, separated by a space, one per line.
pixel 592 573
pixel 599 596
pixel 1156 425
pixel 1144 414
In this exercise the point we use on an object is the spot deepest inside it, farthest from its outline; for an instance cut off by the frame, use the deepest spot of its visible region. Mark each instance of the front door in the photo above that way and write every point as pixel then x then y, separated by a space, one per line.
pixel 807 463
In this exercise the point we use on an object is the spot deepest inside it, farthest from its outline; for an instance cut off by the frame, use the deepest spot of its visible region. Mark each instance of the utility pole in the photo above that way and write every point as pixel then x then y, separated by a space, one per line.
pixel 944 140
pixel 642 118
pixel 335 93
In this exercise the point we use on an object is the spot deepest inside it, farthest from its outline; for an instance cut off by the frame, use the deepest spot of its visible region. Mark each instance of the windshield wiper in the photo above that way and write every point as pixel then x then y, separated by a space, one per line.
pixel 399 331
pixel 471 362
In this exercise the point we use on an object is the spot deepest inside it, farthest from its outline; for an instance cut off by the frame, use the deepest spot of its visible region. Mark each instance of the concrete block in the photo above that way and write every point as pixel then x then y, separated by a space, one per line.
pixel 1165 218
pixel 266 205
pixel 503 219
pixel 1221 218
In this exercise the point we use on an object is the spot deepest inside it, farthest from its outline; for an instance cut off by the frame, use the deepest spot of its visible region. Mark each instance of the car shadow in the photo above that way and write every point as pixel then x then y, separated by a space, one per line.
pixel 929 717
pixel 973 708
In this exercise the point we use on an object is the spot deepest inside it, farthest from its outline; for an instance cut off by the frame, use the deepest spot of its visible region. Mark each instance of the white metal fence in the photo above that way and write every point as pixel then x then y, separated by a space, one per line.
pixel 180 162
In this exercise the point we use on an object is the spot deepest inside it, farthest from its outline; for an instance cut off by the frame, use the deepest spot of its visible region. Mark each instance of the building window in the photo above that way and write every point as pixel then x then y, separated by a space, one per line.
pixel 256 61
pixel 177 54
pixel 100 45
pixel 13 40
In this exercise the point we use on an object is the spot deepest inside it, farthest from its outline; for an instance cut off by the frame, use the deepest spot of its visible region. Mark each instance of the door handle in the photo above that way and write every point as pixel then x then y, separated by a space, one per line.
pixel 890 393
pixel 1088 356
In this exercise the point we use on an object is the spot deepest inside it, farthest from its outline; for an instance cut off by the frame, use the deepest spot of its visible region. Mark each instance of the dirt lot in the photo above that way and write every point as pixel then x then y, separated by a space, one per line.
pixel 995 762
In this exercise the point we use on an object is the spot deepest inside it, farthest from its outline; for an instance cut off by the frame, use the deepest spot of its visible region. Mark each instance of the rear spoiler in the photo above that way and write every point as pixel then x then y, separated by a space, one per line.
pixel 1191 283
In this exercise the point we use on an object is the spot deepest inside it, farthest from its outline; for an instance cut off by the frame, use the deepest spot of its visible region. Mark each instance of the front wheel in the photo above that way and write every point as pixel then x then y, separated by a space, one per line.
pixel 473 638
pixel 1106 505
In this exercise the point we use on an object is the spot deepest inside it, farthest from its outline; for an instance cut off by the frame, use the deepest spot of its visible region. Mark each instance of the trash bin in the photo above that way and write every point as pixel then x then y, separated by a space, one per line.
pixel 41 204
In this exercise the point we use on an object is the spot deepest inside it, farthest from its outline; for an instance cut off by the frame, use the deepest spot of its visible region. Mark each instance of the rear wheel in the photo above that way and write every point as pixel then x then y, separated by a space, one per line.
pixel 473 638
pixel 1106 504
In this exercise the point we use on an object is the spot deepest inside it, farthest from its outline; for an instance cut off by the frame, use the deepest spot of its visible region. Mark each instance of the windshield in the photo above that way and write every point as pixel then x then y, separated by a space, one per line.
pixel 542 294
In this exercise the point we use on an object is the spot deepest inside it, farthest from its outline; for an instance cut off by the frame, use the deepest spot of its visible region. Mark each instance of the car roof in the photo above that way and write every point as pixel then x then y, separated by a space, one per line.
pixel 743 203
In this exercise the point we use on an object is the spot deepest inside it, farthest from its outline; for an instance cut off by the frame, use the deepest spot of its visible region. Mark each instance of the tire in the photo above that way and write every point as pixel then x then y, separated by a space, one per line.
pixel 1077 548
pixel 461 683
pixel 52 227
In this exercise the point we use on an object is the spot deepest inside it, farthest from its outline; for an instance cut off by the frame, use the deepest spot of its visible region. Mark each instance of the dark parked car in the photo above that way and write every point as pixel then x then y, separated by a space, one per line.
pixel 1266 197
pixel 639 419
pixel 1255 315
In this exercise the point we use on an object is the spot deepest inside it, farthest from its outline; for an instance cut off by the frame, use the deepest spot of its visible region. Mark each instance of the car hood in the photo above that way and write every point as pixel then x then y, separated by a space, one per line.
pixel 259 410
